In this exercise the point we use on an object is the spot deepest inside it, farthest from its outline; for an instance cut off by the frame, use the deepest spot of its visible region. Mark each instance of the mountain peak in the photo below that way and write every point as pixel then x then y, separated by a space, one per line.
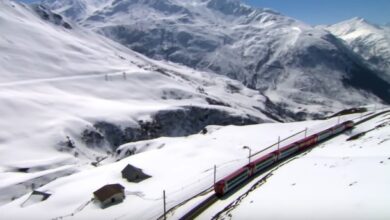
pixel 362 22
pixel 353 26
pixel 369 40
pixel 358 19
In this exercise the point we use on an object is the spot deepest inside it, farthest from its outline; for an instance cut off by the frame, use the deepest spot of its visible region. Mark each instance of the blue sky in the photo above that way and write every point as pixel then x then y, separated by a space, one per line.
pixel 326 11
pixel 329 11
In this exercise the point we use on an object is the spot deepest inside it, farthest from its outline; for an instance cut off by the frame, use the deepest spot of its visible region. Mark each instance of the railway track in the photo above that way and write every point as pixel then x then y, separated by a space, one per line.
pixel 200 208
pixel 210 200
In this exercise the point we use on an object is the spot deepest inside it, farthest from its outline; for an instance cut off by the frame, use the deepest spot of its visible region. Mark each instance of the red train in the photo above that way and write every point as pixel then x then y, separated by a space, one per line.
pixel 247 171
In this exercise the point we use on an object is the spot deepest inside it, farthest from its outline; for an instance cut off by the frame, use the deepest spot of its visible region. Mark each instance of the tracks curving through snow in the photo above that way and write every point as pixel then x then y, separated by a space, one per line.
pixel 210 200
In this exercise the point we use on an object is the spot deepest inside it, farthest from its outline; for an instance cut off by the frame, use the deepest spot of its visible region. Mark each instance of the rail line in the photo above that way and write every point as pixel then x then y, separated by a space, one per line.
pixel 211 199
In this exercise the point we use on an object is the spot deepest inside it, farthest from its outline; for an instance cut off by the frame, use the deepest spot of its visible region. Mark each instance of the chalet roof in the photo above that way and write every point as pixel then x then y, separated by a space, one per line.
pixel 107 191
pixel 131 169
pixel 134 174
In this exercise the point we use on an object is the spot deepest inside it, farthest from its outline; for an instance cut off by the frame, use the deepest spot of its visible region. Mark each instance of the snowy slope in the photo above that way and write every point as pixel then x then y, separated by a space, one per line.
pixel 69 97
pixel 181 166
pixel 369 40
pixel 339 179
pixel 301 68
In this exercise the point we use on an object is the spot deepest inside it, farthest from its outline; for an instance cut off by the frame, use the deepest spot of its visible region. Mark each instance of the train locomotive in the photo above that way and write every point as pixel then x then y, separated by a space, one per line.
pixel 244 173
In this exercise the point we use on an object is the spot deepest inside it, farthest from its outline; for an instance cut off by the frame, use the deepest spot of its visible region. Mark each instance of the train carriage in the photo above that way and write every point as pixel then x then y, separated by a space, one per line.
pixel 324 135
pixel 232 180
pixel 349 124
pixel 262 162
pixel 343 126
pixel 339 128
pixel 287 151
pixel 307 142
pixel 242 174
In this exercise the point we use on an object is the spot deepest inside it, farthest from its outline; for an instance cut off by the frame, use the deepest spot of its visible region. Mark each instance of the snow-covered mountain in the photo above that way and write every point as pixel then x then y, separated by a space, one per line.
pixel 70 96
pixel 371 41
pixel 71 101
pixel 301 68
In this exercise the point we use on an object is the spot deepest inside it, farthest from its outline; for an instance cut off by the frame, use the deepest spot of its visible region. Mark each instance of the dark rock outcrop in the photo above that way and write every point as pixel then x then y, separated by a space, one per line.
pixel 170 123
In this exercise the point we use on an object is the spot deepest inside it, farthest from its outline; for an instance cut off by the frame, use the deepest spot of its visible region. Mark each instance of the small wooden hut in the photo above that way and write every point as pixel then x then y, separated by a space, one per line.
pixel 133 174
pixel 109 195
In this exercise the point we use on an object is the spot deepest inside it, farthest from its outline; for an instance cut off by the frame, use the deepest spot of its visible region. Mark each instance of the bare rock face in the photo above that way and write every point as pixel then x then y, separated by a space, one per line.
pixel 183 122
pixel 48 15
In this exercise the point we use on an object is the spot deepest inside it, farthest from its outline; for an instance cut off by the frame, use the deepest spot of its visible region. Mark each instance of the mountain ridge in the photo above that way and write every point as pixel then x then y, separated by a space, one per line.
pixel 371 41
pixel 75 94
pixel 281 57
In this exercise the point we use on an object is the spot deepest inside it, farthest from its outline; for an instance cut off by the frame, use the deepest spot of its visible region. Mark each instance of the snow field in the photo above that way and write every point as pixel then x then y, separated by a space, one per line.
pixel 339 179
pixel 182 167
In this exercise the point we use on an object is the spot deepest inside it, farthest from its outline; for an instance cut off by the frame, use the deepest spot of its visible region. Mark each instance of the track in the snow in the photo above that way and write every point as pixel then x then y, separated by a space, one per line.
pixel 210 200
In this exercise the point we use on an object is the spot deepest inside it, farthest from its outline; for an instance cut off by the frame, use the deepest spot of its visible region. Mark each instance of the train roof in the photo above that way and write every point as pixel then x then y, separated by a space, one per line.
pixel 326 130
pixel 307 138
pixel 265 157
pixel 288 146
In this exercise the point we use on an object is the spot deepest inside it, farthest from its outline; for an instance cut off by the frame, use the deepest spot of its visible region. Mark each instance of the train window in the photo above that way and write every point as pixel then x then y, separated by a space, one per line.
pixel 237 179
